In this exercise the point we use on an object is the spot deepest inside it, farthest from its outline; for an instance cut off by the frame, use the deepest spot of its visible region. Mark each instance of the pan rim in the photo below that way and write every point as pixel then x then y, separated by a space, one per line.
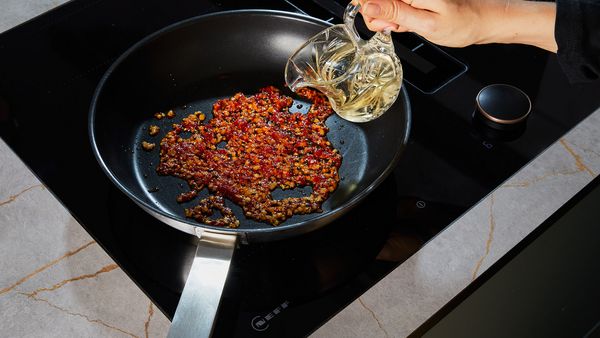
pixel 192 226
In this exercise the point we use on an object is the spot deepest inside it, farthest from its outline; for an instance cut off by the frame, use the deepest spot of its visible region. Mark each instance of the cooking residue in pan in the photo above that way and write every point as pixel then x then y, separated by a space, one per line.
pixel 252 146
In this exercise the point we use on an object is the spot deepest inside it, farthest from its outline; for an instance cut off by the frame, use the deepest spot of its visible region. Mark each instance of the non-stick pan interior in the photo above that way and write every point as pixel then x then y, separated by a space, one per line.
pixel 186 68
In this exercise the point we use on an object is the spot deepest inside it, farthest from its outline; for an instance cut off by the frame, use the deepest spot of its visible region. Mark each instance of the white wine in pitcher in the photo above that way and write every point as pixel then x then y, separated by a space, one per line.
pixel 362 79
pixel 367 92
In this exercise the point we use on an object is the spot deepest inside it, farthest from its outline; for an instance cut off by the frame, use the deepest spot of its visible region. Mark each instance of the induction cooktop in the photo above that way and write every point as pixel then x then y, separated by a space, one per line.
pixel 51 65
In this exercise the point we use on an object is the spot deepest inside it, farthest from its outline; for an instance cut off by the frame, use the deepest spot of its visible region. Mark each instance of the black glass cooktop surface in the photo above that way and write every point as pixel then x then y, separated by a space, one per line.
pixel 50 66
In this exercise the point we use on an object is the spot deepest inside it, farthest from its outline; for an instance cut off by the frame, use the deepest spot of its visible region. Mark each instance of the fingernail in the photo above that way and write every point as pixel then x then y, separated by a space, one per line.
pixel 372 9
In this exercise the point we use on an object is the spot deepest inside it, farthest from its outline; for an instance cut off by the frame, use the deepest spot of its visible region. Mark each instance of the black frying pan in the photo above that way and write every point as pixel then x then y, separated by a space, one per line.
pixel 187 67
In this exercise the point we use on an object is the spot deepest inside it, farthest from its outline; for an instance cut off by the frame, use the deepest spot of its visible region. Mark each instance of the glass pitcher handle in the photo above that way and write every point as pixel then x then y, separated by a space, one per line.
pixel 349 16
pixel 381 40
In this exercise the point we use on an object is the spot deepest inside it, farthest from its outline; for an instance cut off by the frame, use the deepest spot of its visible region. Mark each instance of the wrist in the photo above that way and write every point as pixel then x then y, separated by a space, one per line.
pixel 524 22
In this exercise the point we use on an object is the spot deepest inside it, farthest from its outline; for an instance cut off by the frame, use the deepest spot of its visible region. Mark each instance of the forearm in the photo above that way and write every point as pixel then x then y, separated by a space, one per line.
pixel 526 22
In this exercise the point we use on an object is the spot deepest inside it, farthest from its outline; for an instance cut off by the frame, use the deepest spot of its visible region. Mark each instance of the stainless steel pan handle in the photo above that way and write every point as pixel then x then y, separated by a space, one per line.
pixel 195 314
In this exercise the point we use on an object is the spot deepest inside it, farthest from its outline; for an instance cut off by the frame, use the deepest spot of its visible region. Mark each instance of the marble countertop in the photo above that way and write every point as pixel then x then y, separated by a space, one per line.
pixel 57 282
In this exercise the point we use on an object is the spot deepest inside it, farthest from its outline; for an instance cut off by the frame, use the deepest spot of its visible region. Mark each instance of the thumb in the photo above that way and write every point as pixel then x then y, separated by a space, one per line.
pixel 373 9
pixel 400 13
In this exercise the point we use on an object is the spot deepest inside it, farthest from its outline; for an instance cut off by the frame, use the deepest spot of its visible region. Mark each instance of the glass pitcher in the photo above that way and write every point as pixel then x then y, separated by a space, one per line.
pixel 362 79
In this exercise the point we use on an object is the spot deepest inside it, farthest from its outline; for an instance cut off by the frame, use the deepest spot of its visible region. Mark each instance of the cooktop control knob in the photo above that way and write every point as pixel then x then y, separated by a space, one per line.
pixel 503 106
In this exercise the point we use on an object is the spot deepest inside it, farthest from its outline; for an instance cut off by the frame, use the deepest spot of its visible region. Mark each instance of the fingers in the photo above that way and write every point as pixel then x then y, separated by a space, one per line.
pixel 379 25
pixel 399 13
pixel 430 5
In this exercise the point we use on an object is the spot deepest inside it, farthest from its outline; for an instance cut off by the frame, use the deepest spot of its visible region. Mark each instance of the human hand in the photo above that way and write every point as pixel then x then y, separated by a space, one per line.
pixel 459 23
